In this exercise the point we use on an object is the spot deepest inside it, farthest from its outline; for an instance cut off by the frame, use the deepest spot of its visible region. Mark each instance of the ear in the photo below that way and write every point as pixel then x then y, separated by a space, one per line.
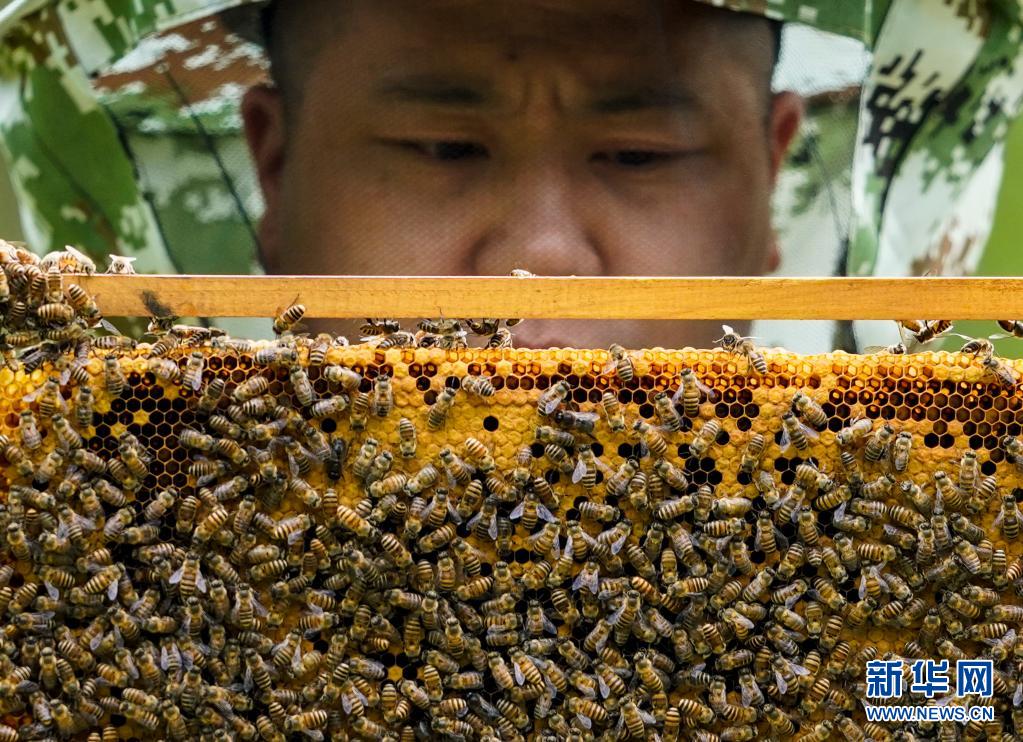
pixel 262 112
pixel 786 116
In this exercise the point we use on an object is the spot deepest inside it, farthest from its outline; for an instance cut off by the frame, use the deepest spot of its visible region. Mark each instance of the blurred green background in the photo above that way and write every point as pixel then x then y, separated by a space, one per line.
pixel 1003 256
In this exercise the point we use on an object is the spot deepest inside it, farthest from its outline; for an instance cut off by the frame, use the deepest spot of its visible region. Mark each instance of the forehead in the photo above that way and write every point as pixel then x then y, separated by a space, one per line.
pixel 597 37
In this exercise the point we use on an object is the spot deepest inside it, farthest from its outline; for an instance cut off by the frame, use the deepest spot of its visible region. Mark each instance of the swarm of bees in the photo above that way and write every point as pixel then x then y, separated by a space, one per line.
pixel 212 538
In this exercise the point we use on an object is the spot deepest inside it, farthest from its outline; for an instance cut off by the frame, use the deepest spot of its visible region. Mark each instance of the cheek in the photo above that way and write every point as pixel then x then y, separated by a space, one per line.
pixel 715 223
pixel 356 217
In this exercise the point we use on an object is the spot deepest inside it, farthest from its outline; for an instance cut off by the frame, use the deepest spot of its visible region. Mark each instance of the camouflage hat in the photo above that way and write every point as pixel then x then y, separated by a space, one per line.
pixel 157 163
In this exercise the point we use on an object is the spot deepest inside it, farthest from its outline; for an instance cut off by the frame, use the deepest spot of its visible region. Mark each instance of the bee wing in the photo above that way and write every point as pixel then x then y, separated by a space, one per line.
pixel 1017 696
pixel 175 578
pixel 883 584
pixel 615 617
pixel 549 626
pixel 783 687
pixel 258 608
pixel 518 511
pixel 544 513
pixel 453 513
pixel 709 393
pixel 584 721
pixel 605 690
pixel 617 545
pixel 786 442
pixel 579 472
pixel 748 696
pixel 112 589
pixel 552 404
pixel 428 509
pixel 611 365
pixel 647 717
pixel 588 580
pixel 51 590
pixel 569 550
pixel 492 528
pixel 519 677
pixel 200 581
pixel 809 432
pixel 798 669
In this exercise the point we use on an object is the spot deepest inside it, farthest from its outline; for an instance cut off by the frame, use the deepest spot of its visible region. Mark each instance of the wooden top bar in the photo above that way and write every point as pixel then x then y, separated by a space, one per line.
pixel 560 297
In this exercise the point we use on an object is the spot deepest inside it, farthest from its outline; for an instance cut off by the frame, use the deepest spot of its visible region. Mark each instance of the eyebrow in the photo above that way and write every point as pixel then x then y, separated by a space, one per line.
pixel 435 90
pixel 646 98
pixel 465 93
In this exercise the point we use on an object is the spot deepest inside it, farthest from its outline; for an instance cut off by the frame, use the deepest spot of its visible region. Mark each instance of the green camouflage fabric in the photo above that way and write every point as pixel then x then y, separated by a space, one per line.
pixel 119 123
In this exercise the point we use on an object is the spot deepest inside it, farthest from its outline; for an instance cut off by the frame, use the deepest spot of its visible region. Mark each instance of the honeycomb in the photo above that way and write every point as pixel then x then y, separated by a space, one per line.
pixel 207 538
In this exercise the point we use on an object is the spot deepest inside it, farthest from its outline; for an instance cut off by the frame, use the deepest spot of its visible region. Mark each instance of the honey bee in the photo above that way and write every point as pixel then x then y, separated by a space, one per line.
pixel 121 265
pixel 651 441
pixel 620 362
pixel 613 411
pixel 1009 517
pixel 478 386
pixel 383 396
pixel 582 422
pixel 795 433
pixel 878 443
pixel 809 410
pixel 28 430
pixel 502 338
pixel 192 377
pixel 752 453
pixel 286 321
pixel 165 370
pixel 188 577
pixel 692 391
pixel 1000 372
pixel 924 331
pixel 586 468
pixel 550 399
pixel 438 413
pixel 732 342
pixel 705 438
pixel 55 314
pixel 346 377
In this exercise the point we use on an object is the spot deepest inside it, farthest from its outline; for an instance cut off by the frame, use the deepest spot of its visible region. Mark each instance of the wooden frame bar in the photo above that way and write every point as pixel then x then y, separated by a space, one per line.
pixel 560 297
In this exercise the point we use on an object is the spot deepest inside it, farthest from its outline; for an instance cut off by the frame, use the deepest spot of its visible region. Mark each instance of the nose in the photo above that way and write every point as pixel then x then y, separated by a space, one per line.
pixel 540 222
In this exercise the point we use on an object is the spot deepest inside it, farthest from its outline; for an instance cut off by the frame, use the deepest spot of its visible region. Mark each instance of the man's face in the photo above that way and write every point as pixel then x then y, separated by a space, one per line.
pixel 565 137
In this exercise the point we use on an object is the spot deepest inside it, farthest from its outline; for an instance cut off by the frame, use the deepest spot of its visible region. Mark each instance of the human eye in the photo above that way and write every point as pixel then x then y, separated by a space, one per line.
pixel 444 150
pixel 636 159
